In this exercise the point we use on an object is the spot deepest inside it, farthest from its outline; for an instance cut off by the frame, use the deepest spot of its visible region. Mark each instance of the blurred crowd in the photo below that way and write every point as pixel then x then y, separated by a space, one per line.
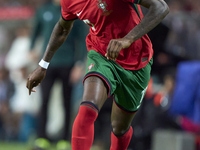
pixel 172 99
pixel 34 4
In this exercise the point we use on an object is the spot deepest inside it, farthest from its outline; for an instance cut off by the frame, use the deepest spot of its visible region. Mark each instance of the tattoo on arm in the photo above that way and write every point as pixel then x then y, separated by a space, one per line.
pixel 158 9
pixel 58 36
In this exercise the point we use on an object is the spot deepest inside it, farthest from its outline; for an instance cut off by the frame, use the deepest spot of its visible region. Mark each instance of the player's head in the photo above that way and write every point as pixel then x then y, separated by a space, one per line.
pixel 57 2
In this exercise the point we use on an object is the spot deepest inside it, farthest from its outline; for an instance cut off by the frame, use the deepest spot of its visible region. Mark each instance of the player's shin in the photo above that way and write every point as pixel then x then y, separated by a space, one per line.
pixel 83 127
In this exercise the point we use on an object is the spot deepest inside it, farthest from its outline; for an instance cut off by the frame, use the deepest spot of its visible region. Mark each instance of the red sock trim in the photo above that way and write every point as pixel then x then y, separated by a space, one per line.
pixel 122 142
pixel 91 105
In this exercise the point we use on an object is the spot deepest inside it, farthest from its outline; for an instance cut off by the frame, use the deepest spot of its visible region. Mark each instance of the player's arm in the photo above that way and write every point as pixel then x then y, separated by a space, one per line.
pixel 157 10
pixel 58 36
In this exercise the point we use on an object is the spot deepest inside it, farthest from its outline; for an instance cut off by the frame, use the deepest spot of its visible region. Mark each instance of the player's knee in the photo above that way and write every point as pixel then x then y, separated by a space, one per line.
pixel 119 128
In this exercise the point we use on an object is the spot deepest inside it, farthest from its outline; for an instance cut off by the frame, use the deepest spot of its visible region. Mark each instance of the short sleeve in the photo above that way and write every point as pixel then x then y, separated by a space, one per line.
pixel 133 1
pixel 66 15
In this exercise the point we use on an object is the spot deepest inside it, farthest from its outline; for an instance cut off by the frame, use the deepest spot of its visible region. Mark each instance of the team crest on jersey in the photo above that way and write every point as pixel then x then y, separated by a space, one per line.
pixel 102 5
pixel 90 66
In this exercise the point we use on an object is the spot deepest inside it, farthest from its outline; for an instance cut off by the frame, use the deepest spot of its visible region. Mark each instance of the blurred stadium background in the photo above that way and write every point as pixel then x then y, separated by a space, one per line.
pixel 169 118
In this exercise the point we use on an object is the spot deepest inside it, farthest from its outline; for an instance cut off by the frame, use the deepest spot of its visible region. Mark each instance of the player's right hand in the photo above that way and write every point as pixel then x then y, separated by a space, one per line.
pixel 115 46
pixel 35 78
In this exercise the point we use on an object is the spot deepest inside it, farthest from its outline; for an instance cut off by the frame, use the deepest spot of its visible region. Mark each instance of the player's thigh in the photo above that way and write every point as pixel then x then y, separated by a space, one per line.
pixel 120 120
pixel 95 91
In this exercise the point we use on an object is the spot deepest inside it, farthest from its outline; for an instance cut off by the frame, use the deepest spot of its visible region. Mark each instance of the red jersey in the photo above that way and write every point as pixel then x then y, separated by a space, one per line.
pixel 111 19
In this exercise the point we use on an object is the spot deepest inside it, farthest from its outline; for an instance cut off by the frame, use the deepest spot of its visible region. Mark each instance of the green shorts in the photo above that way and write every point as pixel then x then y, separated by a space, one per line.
pixel 128 87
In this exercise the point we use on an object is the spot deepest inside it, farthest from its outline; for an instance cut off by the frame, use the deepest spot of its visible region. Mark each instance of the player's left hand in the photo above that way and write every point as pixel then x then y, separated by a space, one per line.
pixel 115 46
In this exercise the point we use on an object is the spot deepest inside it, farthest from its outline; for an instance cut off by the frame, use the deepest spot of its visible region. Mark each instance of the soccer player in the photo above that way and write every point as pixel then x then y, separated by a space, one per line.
pixel 119 62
